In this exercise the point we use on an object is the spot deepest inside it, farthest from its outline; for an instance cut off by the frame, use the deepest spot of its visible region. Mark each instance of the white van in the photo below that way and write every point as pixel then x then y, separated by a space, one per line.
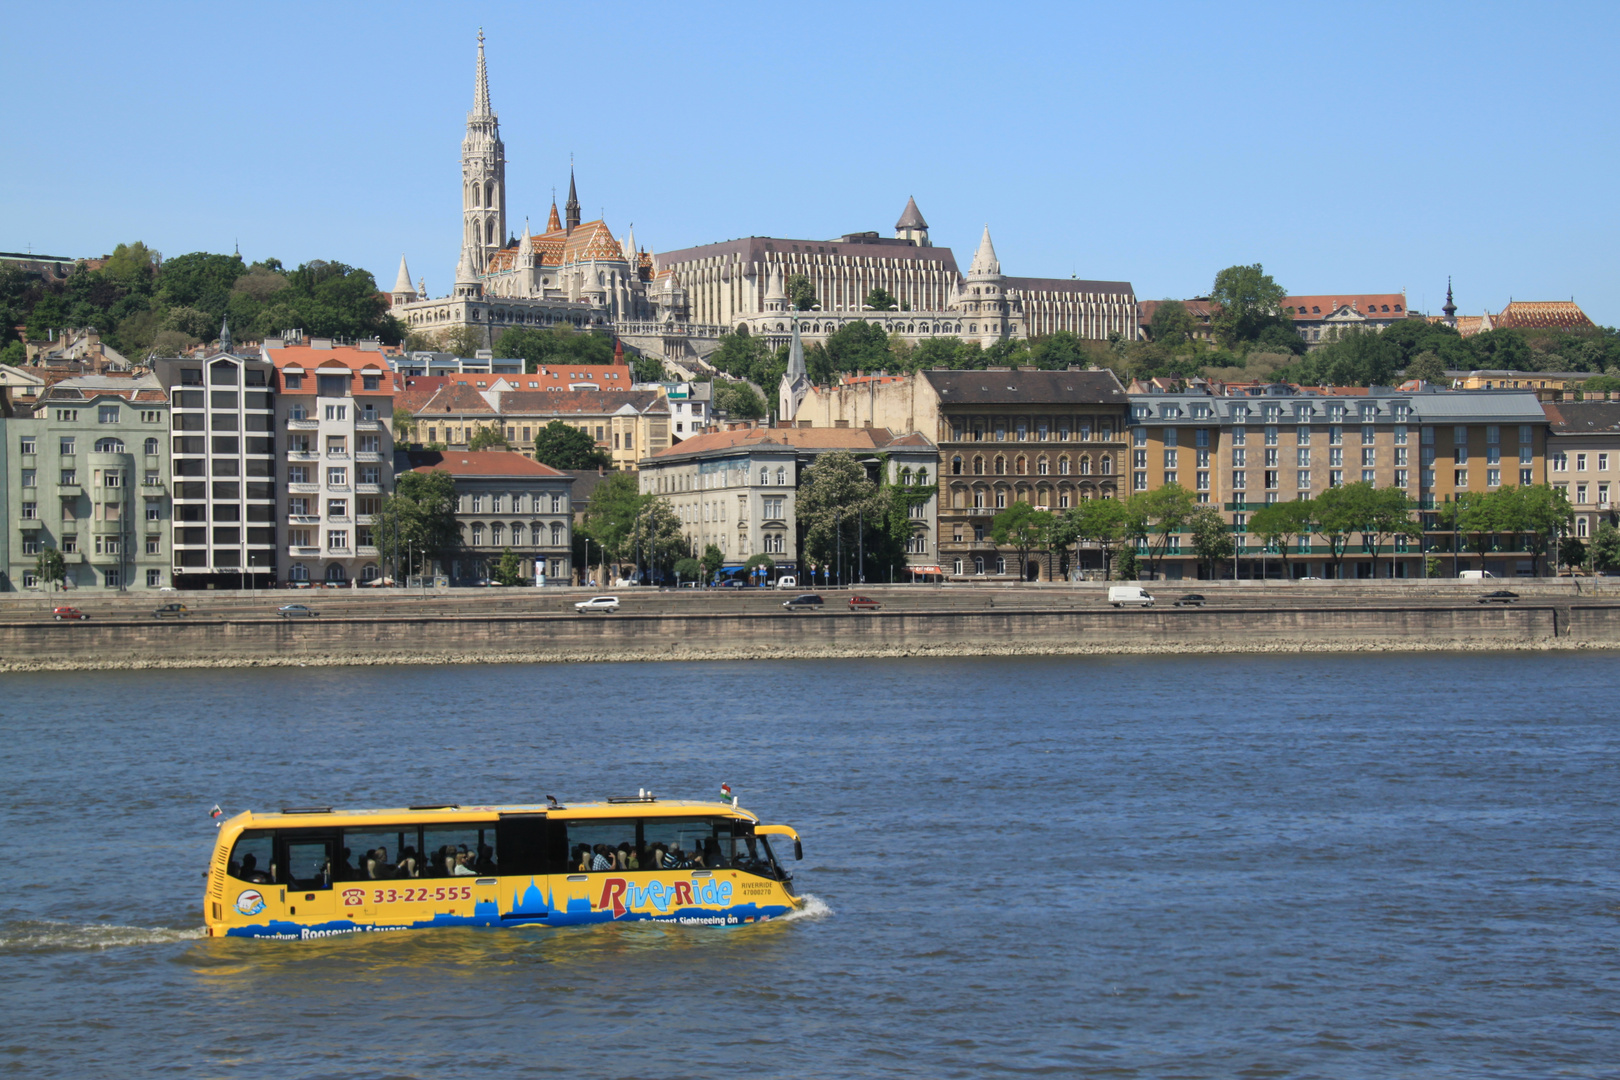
pixel 787 581
pixel 1475 575
pixel 1120 595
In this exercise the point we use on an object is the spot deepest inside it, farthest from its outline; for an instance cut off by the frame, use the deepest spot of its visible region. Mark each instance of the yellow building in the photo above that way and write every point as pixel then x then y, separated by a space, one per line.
pixel 628 425
pixel 1241 453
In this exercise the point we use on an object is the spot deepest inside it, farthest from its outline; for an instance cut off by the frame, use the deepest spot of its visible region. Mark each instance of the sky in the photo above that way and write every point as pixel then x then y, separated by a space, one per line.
pixel 1347 148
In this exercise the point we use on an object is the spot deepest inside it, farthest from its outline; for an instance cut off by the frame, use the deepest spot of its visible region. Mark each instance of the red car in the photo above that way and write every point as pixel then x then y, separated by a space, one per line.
pixel 863 603
pixel 67 613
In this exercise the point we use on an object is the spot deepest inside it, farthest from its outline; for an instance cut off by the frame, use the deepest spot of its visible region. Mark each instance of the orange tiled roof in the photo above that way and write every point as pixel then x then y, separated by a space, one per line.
pixel 580 402
pixel 1543 315
pixel 591 240
pixel 798 438
pixel 1308 308
pixel 455 398
pixel 480 463
pixel 607 376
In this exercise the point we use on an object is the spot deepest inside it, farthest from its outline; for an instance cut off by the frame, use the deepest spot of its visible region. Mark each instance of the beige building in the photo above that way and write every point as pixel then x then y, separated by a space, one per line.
pixel 506 501
pixel 1583 459
pixel 738 490
pixel 627 424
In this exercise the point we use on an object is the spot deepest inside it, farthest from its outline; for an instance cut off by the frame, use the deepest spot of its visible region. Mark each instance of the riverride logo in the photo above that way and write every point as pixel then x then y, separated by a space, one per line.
pixel 621 895
pixel 250 901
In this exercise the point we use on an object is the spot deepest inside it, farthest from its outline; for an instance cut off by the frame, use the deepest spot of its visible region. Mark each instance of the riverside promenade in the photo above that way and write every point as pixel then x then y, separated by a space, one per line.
pixel 527 625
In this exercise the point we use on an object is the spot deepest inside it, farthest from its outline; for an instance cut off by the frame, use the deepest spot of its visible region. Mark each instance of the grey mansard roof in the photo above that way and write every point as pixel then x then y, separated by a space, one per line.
pixel 1034 388
pixel 912 218
pixel 1068 285
pixel 760 248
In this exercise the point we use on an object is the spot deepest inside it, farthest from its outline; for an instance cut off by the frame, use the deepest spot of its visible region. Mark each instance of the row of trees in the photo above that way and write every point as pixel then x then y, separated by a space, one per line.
pixel 1148 521
pixel 142 304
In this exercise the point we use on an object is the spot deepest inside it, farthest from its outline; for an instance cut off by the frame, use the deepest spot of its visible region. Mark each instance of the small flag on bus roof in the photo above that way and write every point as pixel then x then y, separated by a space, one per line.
pixel 726 796
pixel 216 813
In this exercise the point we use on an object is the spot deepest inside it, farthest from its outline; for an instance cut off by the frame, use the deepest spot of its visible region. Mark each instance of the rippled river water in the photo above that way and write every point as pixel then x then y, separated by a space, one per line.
pixel 1357 866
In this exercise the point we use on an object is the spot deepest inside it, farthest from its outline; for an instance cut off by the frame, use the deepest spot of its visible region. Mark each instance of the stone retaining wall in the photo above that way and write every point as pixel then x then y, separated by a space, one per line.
pixel 548 638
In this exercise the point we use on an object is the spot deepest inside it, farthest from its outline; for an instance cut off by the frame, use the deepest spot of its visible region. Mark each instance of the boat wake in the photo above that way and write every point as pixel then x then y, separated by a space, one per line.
pixel 47 936
pixel 814 908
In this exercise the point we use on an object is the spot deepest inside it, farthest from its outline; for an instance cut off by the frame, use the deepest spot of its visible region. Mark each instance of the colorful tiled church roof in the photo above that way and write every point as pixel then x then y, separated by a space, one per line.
pixel 1543 315
pixel 590 241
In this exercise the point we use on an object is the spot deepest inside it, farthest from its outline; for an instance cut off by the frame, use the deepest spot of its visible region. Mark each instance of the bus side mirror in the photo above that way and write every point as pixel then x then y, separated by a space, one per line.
pixel 798 849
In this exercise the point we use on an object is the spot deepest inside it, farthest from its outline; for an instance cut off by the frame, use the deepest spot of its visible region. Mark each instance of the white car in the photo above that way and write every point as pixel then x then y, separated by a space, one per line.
pixel 603 604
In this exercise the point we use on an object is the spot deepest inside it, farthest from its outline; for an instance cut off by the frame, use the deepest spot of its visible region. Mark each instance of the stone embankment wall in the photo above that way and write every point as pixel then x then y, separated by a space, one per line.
pixel 252 641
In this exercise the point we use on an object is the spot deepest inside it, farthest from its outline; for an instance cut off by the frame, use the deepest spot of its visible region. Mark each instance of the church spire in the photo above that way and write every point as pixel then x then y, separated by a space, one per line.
pixel 481 88
pixel 553 223
pixel 225 335
pixel 1451 308
pixel 572 206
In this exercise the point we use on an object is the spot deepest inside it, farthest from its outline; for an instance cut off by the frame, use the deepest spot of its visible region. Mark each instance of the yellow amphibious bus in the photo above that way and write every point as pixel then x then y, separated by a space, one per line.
pixel 315 872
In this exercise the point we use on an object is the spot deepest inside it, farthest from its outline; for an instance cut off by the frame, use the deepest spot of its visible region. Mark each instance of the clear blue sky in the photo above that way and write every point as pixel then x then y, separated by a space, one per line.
pixel 1349 148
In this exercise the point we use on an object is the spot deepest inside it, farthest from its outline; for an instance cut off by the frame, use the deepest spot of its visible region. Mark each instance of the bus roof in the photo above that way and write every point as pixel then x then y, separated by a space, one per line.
pixel 326 815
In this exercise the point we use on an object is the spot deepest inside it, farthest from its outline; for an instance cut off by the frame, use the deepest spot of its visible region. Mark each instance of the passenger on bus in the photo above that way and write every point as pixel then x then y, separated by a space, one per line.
pixel 626 858
pixel 582 858
pixel 345 869
pixel 377 865
pixel 603 859
pixel 485 863
pixel 250 870
pixel 407 863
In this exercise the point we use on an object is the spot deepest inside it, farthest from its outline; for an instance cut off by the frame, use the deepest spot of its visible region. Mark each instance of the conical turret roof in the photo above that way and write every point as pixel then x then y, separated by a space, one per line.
pixel 912 217
pixel 774 289
pixel 985 262
pixel 402 283
pixel 553 223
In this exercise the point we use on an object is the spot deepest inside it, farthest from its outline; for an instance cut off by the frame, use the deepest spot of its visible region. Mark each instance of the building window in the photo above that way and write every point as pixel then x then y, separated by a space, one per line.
pixel 337 477
pixel 1203 481
pixel 1400 478
pixel 154 544
pixel 1580 462
pixel 1139 482
pixel 154 579
pixel 107 414
pixel 1001 499
pixel 1459 478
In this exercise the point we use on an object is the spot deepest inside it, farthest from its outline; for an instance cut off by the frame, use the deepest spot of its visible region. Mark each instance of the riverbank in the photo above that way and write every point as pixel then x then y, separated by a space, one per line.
pixel 254 641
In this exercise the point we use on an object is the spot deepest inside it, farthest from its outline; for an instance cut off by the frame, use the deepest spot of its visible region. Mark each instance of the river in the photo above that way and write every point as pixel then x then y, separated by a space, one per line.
pixel 1222 866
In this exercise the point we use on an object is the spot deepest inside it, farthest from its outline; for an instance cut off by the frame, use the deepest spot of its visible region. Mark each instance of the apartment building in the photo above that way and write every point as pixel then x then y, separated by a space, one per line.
pixel 505 502
pixel 88 475
pixel 223 460
pixel 738 489
pixel 1583 459
pixel 1239 453
pixel 335 409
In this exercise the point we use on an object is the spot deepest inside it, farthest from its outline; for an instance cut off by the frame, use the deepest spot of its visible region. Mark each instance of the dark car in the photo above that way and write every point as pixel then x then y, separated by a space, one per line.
pixel 67 613
pixel 1192 599
pixel 805 600
pixel 1500 596
pixel 732 583
pixel 171 611
pixel 863 603
pixel 295 611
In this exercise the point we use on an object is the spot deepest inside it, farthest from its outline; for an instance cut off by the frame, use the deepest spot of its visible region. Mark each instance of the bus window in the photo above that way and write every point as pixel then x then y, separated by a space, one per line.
pixel 686 844
pixel 309 863
pixel 604 845
pixel 253 857
pixel 372 854
pixel 752 854
pixel 457 851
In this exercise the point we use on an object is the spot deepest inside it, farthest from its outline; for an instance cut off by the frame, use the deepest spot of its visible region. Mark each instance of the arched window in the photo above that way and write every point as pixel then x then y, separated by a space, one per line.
pixel 1107 464
pixel 905 476
pixel 334 572
pixel 978 466
pixel 497 532
pixel 956 465
pixel 1001 498
pixel 1085 465
pixel 298 572
pixel 477 195
pixel 478 532
pixel 1001 466
pixel 1063 466
pixel 368 572
pixel 489 193
pixel 490 232
pixel 781 475
pixel 109 446
pixel 764 476
pixel 1021 465
pixel 1042 467
pixel 978 498
pixel 978 564
pixel 922 477
pixel 151 446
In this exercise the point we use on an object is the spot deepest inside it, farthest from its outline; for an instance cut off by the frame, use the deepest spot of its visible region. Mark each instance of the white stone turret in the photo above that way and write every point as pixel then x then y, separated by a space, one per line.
pixel 403 293
pixel 911 225
pixel 525 251
pixel 483 175
pixel 985 265
pixel 776 297
pixel 795 381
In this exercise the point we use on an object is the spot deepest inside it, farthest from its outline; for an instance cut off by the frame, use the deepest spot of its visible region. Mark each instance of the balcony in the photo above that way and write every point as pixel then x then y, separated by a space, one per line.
pixel 337 520
pixel 303 519
pixel 303 425
pixel 337 455
pixel 72 558
pixel 304 552
pixel 366 489
pixel 367 455
pixel 303 455
pixel 304 489
pixel 153 489
pixel 363 519
pixel 339 488
pixel 368 425
pixel 69 491
pixel 366 551
pixel 27 524
pixel 979 511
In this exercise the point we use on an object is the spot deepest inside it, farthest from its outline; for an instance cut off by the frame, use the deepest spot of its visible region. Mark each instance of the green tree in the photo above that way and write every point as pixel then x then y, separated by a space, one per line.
pixel 554 345
pixel 880 299
pixel 758 560
pixel 939 352
pixel 1096 521
pixel 738 400
pixel 688 569
pixel 1540 512
pixel 417 522
pixel 1246 301
pixel 1023 528
pixel 1153 517
pixel 1572 553
pixel 1341 512
pixel 1172 324
pixel 1389 516
pixel 858 346
pixel 490 437
pixel 1126 566
pixel 200 280
pixel 462 341
pixel 712 561
pixel 564 447
pixel 801 292
pixel 404 425
pixel 1058 350
pixel 1505 348
pixel 1606 548
pixel 1428 367
pixel 50 566
pixel 1476 517
pixel 649 369
pixel 509 571
pixel 611 518
pixel 1280 525
pixel 1211 539
pixel 834 500
pixel 655 540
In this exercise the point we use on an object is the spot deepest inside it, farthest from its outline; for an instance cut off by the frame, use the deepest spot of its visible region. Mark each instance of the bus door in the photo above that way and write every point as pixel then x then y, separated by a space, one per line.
pixel 307 856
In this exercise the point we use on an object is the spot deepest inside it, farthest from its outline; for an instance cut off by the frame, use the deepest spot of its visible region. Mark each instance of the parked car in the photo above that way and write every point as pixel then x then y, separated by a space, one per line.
pixel 171 611
pixel 1192 599
pixel 67 613
pixel 1499 596
pixel 1474 575
pixel 604 604
pixel 1120 595
pixel 787 581
pixel 731 583
pixel 804 600
pixel 296 611
pixel 863 603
